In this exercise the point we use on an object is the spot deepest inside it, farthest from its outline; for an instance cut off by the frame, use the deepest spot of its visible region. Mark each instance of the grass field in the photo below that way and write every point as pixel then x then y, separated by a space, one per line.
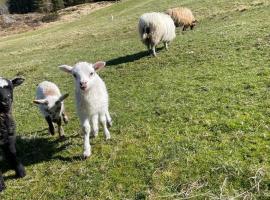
pixel 192 123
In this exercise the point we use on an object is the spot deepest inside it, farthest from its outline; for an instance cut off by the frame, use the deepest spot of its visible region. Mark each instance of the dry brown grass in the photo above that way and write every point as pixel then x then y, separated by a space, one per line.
pixel 18 23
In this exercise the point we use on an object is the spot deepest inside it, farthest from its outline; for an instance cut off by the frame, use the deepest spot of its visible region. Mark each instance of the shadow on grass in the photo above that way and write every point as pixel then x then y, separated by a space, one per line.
pixel 34 150
pixel 131 57
pixel 127 58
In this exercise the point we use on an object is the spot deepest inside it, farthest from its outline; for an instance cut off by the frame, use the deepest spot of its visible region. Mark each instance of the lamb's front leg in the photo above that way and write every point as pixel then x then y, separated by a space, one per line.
pixel 60 129
pixel 94 119
pixel 103 121
pixel 9 150
pixel 50 124
pixel 2 184
pixel 86 132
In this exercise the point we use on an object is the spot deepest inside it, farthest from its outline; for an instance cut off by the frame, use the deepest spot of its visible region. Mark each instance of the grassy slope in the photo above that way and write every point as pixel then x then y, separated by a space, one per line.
pixel 193 121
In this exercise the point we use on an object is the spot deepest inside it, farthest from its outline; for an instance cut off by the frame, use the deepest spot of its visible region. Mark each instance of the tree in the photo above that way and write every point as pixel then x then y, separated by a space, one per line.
pixel 3 7
pixel 58 4
pixel 22 6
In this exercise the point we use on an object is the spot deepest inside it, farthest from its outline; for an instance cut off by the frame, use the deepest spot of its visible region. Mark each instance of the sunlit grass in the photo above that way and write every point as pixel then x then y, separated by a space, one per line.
pixel 191 123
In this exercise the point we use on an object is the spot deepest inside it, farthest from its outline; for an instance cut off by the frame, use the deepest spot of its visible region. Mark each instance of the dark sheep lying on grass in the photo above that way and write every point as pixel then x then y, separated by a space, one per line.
pixel 7 127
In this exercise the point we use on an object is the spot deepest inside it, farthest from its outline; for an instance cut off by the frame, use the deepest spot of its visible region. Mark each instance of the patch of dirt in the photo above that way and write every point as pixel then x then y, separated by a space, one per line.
pixel 17 23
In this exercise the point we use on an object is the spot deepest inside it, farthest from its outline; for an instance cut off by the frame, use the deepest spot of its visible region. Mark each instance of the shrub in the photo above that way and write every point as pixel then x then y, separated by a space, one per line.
pixel 50 17
pixel 58 4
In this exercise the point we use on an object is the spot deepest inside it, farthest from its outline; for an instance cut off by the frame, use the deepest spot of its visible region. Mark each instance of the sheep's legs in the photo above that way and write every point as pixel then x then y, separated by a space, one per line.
pixel 86 131
pixel 109 119
pixel 103 121
pixel 2 184
pixel 65 117
pixel 185 27
pixel 60 128
pixel 166 45
pixel 9 150
pixel 149 47
pixel 95 125
pixel 50 123
pixel 154 50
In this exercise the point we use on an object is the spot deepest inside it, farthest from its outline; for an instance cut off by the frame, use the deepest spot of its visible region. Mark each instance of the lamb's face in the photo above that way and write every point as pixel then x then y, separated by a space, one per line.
pixel 6 94
pixel 84 74
pixel 53 108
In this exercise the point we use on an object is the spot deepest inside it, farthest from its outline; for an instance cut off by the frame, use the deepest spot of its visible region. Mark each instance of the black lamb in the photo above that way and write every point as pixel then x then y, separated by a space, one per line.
pixel 8 127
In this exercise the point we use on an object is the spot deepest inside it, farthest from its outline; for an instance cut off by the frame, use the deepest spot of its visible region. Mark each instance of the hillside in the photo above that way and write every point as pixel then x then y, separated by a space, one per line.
pixel 192 123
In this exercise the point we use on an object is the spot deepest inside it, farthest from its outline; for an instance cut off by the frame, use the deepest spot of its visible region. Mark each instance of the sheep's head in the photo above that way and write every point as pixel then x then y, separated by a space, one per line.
pixel 194 23
pixel 84 73
pixel 6 92
pixel 52 105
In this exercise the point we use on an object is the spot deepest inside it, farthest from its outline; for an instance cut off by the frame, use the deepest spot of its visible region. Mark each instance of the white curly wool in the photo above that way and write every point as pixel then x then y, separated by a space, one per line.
pixel 155 28
pixel 3 82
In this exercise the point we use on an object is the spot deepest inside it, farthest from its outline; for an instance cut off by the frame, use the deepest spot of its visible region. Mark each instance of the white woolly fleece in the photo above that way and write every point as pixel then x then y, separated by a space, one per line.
pixel 3 82
pixel 162 28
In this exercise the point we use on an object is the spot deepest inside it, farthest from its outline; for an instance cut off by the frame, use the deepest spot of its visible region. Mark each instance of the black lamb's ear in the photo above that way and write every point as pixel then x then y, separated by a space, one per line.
pixel 62 98
pixel 17 81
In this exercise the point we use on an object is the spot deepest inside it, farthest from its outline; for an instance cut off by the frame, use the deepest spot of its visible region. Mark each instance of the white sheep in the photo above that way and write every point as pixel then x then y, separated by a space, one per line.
pixel 51 105
pixel 155 28
pixel 92 100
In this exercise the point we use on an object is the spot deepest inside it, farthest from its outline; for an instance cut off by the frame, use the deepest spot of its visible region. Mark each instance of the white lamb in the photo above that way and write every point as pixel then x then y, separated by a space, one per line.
pixel 155 28
pixel 91 100
pixel 51 105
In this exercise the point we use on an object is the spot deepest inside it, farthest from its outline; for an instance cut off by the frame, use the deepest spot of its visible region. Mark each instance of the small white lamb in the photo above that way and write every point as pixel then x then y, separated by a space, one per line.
pixel 51 105
pixel 155 28
pixel 92 100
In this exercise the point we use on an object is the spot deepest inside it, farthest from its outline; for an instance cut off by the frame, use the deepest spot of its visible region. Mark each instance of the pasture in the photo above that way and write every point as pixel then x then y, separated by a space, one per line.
pixel 191 123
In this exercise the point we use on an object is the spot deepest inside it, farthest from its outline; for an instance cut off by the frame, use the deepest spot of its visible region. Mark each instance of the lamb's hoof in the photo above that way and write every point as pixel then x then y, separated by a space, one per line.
pixel 2 187
pixel 93 134
pixel 51 131
pixel 20 171
pixel 2 184
pixel 109 124
pixel 65 119
pixel 62 137
pixel 86 154
pixel 108 137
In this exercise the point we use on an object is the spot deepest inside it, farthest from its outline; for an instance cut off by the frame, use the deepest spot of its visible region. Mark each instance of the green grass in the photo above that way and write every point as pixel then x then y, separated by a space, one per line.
pixel 192 123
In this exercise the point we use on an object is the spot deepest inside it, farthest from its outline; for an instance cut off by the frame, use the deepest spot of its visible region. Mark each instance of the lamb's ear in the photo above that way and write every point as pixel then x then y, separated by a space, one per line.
pixel 66 68
pixel 63 97
pixel 99 65
pixel 41 101
pixel 17 81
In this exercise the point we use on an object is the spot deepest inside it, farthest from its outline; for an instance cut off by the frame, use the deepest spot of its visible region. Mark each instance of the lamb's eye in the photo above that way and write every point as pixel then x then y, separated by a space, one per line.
pixel 74 75
pixel 91 73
